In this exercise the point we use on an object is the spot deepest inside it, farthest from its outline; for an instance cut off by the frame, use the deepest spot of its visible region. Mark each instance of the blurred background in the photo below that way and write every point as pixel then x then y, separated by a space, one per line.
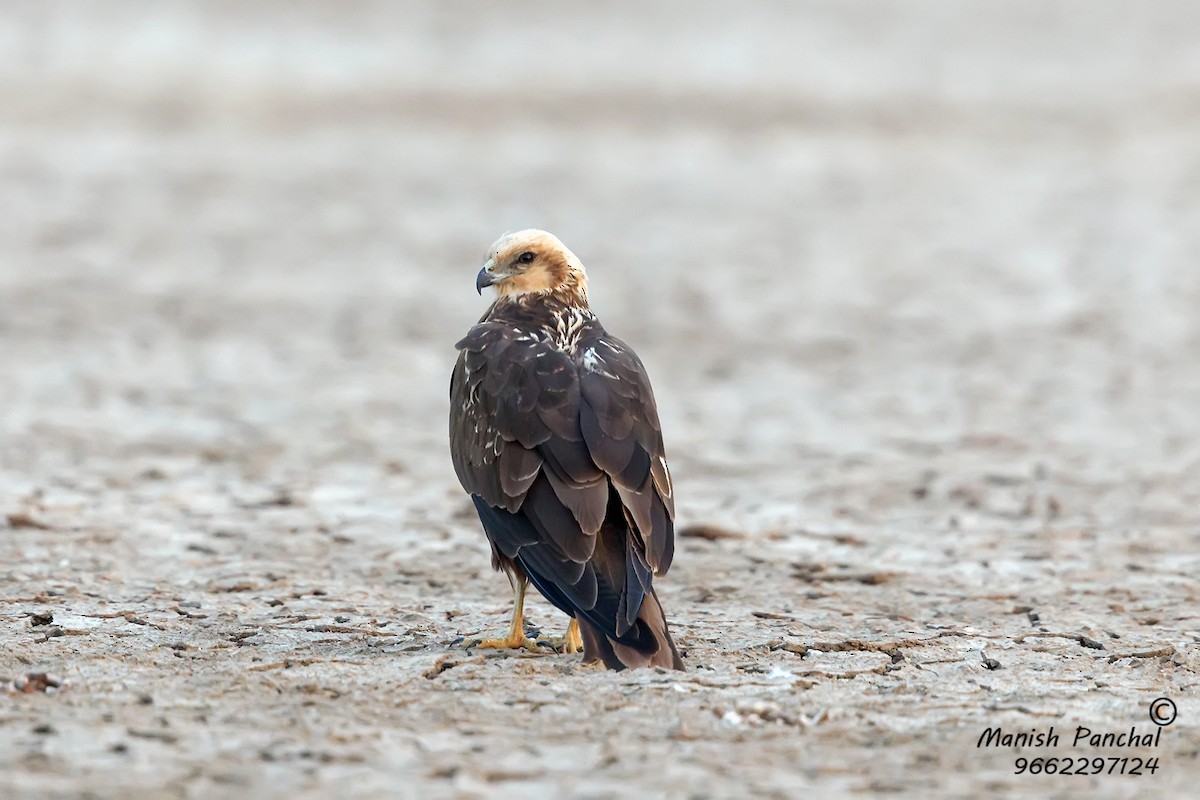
pixel 825 225
pixel 917 285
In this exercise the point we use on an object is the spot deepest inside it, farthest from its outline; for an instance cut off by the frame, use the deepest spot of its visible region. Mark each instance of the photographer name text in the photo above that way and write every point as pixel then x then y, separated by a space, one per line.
pixel 1083 737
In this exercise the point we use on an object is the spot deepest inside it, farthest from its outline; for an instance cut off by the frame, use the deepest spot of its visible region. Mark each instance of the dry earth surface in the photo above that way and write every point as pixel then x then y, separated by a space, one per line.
pixel 917 285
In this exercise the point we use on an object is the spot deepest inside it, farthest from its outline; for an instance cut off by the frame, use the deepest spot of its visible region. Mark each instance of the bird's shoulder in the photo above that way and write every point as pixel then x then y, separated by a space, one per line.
pixel 519 330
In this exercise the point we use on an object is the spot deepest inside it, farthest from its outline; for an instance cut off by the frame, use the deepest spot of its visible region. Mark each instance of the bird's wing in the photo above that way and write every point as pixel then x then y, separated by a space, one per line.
pixel 619 422
pixel 552 448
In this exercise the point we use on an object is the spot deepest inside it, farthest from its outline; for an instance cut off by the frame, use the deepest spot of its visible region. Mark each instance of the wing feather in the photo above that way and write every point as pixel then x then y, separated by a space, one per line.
pixel 619 420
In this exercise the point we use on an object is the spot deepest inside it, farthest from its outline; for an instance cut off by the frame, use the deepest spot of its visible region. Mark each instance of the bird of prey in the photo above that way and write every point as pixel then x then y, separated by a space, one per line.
pixel 555 435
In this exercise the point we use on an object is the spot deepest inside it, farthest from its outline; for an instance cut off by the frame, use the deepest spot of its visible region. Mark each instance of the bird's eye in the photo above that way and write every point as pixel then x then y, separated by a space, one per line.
pixel 526 257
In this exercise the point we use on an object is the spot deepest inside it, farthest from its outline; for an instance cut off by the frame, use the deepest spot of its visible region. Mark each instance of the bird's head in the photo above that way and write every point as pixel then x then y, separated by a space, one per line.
pixel 533 262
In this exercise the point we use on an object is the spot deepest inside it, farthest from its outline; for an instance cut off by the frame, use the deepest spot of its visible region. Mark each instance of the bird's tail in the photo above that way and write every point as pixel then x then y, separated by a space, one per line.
pixel 647 644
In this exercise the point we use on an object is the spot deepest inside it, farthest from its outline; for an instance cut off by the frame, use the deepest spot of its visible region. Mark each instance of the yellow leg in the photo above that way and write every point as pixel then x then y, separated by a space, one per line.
pixel 572 641
pixel 516 638
pixel 569 642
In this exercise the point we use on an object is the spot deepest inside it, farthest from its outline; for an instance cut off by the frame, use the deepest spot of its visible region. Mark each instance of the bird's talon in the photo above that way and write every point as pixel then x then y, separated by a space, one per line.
pixel 505 642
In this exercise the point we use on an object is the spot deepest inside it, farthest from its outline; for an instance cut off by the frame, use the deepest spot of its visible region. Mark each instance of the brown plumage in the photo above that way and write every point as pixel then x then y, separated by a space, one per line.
pixel 555 435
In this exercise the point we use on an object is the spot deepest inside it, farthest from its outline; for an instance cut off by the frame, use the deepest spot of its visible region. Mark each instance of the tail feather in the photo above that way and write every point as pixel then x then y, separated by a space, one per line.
pixel 647 644
pixel 610 594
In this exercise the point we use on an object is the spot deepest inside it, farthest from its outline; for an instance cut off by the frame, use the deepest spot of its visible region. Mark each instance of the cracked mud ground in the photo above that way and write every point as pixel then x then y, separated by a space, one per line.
pixel 916 286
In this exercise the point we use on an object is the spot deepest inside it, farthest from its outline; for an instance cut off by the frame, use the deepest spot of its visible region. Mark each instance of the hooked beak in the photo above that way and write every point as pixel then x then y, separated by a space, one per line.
pixel 485 277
